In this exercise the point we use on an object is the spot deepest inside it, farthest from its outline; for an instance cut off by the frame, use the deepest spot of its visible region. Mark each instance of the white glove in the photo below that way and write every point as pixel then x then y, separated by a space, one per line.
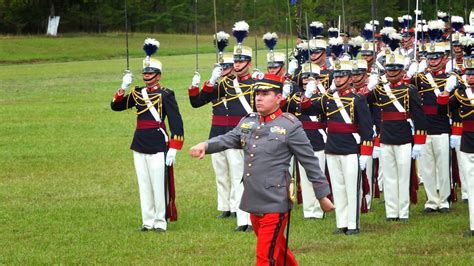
pixel 454 141
pixel 257 74
pixel 422 66
pixel 292 66
pixel 363 162
pixel 406 62
pixel 127 79
pixel 373 81
pixel 286 89
pixel 310 88
pixel 412 69
pixel 449 67
pixel 332 87
pixel 216 74
pixel 416 151
pixel 170 157
pixel 451 83
pixel 376 152
pixel 196 80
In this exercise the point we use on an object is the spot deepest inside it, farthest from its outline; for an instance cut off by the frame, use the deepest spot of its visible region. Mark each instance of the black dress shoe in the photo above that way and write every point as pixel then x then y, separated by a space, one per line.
pixel 241 228
pixel 160 230
pixel 429 210
pixel 465 200
pixel 444 210
pixel 233 215
pixel 249 229
pixel 144 229
pixel 469 233
pixel 391 219
pixel 340 231
pixel 352 231
pixel 224 214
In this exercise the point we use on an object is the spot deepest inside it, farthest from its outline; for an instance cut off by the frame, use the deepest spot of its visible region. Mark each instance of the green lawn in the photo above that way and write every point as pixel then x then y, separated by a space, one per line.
pixel 69 195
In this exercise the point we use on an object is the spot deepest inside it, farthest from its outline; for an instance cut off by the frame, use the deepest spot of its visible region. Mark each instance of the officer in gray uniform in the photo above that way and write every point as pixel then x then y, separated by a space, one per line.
pixel 269 138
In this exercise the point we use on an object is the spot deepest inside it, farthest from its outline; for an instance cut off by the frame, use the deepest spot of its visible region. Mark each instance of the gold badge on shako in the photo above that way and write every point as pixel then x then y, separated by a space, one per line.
pixel 391 59
pixel 469 63
pixel 366 46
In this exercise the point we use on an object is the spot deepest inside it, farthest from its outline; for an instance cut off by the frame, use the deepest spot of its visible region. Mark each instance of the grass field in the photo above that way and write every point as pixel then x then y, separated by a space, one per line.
pixel 69 192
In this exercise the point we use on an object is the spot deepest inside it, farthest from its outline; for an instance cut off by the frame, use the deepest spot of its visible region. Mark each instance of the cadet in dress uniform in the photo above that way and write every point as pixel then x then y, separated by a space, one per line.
pixel 235 94
pixel 275 60
pixel 401 115
pixel 350 133
pixel 435 161
pixel 222 163
pixel 154 151
pixel 314 127
pixel 317 56
pixel 269 138
pixel 462 102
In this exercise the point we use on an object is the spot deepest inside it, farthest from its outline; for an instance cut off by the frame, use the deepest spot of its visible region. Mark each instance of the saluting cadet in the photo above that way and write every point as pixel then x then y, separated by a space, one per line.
pixel 349 128
pixel 401 116
pixel 222 162
pixel 314 127
pixel 235 94
pixel 317 56
pixel 462 102
pixel 269 138
pixel 435 160
pixel 154 151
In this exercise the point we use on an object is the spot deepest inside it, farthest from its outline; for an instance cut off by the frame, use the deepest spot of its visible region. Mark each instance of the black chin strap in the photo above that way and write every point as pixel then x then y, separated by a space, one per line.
pixel 154 76
pixel 242 67
pixel 342 85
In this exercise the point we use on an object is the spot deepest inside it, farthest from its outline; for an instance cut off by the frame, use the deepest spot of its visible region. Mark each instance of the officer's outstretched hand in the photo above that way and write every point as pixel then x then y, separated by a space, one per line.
pixel 326 204
pixel 170 157
pixel 199 150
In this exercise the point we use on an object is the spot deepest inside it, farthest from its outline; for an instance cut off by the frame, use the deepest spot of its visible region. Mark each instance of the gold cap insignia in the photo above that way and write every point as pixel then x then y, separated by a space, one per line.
pixel 366 46
pixel 272 57
pixel 221 58
pixel 337 65
pixel 391 60
pixel 387 51
pixel 238 50
pixel 469 62
pixel 432 47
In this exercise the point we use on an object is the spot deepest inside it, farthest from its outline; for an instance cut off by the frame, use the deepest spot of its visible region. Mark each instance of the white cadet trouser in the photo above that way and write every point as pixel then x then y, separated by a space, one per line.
pixel 461 173
pixel 434 165
pixel 369 171
pixel 150 169
pixel 235 162
pixel 395 161
pixel 224 183
pixel 311 207
pixel 343 170
pixel 467 161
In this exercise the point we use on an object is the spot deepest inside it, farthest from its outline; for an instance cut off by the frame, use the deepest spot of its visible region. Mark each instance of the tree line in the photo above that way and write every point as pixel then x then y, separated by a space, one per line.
pixel 178 16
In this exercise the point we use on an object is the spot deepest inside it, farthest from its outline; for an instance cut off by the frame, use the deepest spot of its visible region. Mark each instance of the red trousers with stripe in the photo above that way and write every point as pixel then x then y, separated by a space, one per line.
pixel 271 241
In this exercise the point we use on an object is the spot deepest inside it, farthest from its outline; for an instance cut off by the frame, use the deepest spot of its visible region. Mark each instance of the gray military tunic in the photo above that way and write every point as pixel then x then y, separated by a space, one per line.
pixel 268 148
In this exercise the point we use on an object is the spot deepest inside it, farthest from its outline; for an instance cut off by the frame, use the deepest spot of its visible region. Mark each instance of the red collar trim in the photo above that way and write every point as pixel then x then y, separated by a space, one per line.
pixel 344 93
pixel 156 87
pixel 324 67
pixel 396 84
pixel 437 73
pixel 243 78
pixel 268 118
